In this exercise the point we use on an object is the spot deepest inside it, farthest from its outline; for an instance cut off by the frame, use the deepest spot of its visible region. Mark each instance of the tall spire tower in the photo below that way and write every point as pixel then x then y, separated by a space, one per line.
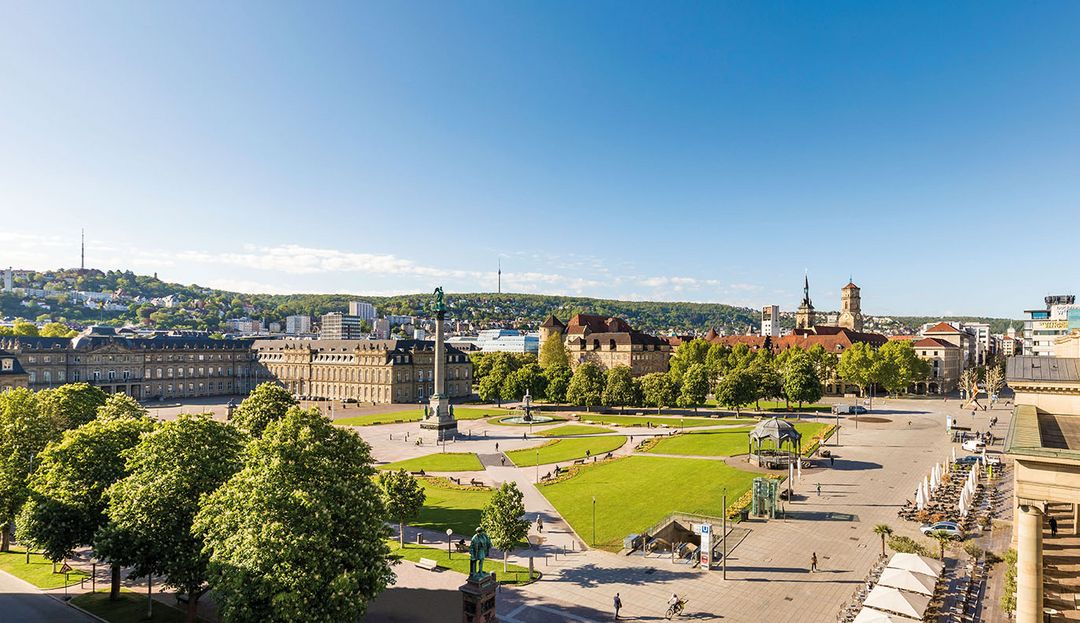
pixel 82 249
pixel 804 317
pixel 500 276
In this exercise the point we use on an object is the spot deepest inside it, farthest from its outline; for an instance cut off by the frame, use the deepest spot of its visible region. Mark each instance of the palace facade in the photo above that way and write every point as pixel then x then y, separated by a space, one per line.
pixel 609 342
pixel 163 366
pixel 377 371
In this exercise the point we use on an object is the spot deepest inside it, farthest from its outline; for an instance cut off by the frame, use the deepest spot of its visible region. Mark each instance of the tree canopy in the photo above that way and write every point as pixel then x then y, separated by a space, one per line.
pixel 403 498
pixel 504 518
pixel 586 385
pixel 266 403
pixel 298 534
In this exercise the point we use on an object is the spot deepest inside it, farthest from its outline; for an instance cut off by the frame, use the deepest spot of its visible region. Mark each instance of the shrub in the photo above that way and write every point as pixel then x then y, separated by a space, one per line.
pixel 906 545
pixel 1008 598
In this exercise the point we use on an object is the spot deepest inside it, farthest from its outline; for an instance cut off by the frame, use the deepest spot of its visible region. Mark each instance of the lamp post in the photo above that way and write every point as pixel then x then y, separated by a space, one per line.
pixel 594 521
pixel 837 428
pixel 449 542
pixel 538 467
pixel 723 533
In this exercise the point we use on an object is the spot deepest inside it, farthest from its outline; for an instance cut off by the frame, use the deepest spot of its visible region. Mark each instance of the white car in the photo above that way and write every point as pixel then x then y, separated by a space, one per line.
pixel 993 459
pixel 973 445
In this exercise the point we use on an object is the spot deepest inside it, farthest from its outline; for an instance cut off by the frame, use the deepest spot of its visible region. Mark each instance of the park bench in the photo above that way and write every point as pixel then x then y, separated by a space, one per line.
pixel 476 483
pixel 579 462
pixel 427 563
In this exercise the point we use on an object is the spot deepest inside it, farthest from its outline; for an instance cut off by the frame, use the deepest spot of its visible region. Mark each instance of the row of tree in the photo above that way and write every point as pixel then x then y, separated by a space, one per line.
pixel 279 511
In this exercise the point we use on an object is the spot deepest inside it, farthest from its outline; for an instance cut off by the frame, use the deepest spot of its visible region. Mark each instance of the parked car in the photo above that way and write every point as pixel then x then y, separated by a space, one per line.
pixel 949 527
pixel 849 409
pixel 993 459
pixel 857 410
pixel 970 459
pixel 973 445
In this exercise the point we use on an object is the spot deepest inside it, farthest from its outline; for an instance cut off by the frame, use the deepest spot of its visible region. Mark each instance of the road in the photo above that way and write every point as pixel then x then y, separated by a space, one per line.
pixel 21 602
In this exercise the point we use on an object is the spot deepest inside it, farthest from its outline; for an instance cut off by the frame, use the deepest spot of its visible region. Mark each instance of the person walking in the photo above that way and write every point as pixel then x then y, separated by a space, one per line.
pixel 618 604
pixel 832 460
pixel 819 489
pixel 539 523
pixel 496 446
pixel 1053 526
pixel 813 562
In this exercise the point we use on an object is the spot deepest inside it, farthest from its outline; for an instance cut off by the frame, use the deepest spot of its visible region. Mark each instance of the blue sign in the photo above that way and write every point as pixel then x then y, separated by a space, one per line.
pixel 1074 318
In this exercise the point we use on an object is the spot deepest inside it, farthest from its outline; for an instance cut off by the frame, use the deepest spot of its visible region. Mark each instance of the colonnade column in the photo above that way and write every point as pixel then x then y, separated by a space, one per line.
pixel 1029 564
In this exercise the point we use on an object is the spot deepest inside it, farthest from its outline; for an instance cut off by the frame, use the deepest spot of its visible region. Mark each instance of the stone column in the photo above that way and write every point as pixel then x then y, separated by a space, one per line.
pixel 1029 564
pixel 440 356
pixel 1076 519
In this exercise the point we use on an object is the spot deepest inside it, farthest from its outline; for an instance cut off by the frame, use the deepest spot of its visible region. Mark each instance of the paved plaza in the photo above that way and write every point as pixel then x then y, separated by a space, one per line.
pixel 877 468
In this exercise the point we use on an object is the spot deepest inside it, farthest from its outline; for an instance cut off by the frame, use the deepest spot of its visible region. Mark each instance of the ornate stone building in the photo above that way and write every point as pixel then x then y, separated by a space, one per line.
pixel 609 342
pixel 11 372
pixel 377 371
pixel 162 366
pixel 850 308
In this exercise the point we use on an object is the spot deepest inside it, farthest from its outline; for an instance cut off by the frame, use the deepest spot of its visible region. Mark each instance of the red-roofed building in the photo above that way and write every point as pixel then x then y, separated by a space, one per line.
pixel 610 342
pixel 946 360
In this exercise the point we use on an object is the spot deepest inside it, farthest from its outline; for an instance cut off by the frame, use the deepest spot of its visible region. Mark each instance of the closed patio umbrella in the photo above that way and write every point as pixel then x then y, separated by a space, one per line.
pixel 908 581
pixel 869 615
pixel 916 563
pixel 895 600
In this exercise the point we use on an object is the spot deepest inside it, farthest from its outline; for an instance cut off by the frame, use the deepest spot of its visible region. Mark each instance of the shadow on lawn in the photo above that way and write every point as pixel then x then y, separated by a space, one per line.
pixel 462 520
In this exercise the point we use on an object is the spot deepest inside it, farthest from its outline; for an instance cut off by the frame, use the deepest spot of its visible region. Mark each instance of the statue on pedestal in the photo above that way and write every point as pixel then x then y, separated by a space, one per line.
pixel 478 551
pixel 440 305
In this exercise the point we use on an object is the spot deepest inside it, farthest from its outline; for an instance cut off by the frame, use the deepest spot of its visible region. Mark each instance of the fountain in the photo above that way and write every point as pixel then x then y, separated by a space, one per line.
pixel 528 418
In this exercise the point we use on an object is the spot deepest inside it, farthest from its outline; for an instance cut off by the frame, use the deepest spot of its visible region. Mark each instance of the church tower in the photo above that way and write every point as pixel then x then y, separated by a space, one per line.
pixel 851 308
pixel 804 317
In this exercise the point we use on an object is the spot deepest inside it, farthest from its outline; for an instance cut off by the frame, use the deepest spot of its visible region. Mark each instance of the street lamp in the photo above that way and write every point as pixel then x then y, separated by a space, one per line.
pixel 594 521
pixel 449 542
pixel 538 467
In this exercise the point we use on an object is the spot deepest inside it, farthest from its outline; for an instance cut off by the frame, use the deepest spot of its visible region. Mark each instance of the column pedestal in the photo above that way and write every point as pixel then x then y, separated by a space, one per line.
pixel 478 600
pixel 1029 564
pixel 439 423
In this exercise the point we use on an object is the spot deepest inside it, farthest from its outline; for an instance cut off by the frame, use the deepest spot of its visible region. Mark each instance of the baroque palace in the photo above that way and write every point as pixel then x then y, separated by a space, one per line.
pixel 173 365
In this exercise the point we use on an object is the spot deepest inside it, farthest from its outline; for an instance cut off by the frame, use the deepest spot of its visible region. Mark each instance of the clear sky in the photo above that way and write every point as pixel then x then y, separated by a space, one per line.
pixel 668 151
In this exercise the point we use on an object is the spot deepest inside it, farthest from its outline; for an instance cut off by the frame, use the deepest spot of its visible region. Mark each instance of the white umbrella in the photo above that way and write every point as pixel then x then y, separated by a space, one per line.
pixel 908 581
pixel 954 454
pixel 920 503
pixel 963 504
pixel 894 600
pixel 916 563
pixel 869 615
pixel 926 489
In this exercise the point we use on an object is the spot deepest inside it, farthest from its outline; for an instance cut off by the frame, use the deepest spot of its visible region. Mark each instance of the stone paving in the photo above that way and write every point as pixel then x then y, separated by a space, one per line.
pixel 877 468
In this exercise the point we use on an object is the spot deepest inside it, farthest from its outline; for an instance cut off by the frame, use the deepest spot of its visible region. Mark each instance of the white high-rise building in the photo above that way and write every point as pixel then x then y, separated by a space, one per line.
pixel 362 310
pixel 295 325
pixel 770 320
pixel 1043 327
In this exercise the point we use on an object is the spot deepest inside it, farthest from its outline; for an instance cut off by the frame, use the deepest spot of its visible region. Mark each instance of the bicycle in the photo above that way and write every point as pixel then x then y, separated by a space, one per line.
pixel 676 608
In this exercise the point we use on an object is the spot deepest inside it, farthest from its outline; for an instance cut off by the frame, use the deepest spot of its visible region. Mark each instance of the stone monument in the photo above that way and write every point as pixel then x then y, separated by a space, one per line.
pixel 478 593
pixel 439 418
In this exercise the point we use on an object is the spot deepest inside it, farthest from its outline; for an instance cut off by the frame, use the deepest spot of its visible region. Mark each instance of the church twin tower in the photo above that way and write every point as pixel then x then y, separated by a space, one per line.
pixel 850 308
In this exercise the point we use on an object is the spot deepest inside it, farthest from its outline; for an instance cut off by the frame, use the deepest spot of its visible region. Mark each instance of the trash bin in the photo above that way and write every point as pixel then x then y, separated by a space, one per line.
pixel 420 539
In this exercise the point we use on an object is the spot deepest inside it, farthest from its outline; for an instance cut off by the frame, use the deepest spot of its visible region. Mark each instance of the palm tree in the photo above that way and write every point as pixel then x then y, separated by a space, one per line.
pixel 943 538
pixel 884 531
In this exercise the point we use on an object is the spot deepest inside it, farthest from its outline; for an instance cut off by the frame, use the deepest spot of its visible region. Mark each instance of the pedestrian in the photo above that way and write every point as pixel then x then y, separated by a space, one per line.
pixel 832 460
pixel 819 489
pixel 618 604
pixel 502 459
pixel 1053 526
pixel 813 562
pixel 496 446
pixel 523 436
pixel 539 523
pixel 588 453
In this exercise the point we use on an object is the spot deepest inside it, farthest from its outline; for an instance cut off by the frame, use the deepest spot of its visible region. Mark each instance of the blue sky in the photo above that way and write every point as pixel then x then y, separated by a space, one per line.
pixel 688 151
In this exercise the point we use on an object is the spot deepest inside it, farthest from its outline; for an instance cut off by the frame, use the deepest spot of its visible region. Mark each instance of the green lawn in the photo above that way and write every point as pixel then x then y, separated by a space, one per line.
pixel 415 414
pixel 656 420
pixel 779 406
pixel 566 450
pixel 38 572
pixel 454 508
pixel 130 608
pixel 459 562
pixel 634 493
pixel 573 429
pixel 439 462
pixel 724 442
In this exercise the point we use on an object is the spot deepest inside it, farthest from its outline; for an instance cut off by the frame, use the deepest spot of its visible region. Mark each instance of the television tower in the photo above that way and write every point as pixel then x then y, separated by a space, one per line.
pixel 82 250
pixel 500 276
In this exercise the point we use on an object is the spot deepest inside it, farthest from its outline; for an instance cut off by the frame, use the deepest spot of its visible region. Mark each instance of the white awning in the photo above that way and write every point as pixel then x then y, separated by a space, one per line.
pixel 869 615
pixel 898 601
pixel 916 563
pixel 908 581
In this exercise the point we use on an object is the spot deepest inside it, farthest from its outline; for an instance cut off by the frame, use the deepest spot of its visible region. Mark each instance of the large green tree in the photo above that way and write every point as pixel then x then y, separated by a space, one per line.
pixel 528 378
pixel 66 502
pixel 297 535
pixel 504 518
pixel 658 390
pixel 688 353
pixel 856 366
pixel 735 389
pixel 558 380
pixel 897 366
pixel 694 386
pixel 71 405
pixel 768 382
pixel 619 388
pixel 266 403
pixel 151 510
pixel 403 497
pixel 553 352
pixel 586 385
pixel 24 432
pixel 801 382
pixel 121 407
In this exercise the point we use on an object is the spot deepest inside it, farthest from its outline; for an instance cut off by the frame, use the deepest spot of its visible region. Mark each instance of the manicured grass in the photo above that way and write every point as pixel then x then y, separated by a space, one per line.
pixel 566 450
pixel 130 608
pixel 655 420
pixel 634 493
pixel 777 406
pixel 730 442
pixel 459 562
pixel 458 509
pixel 439 462
pixel 573 429
pixel 415 414
pixel 38 572
pixel 390 417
